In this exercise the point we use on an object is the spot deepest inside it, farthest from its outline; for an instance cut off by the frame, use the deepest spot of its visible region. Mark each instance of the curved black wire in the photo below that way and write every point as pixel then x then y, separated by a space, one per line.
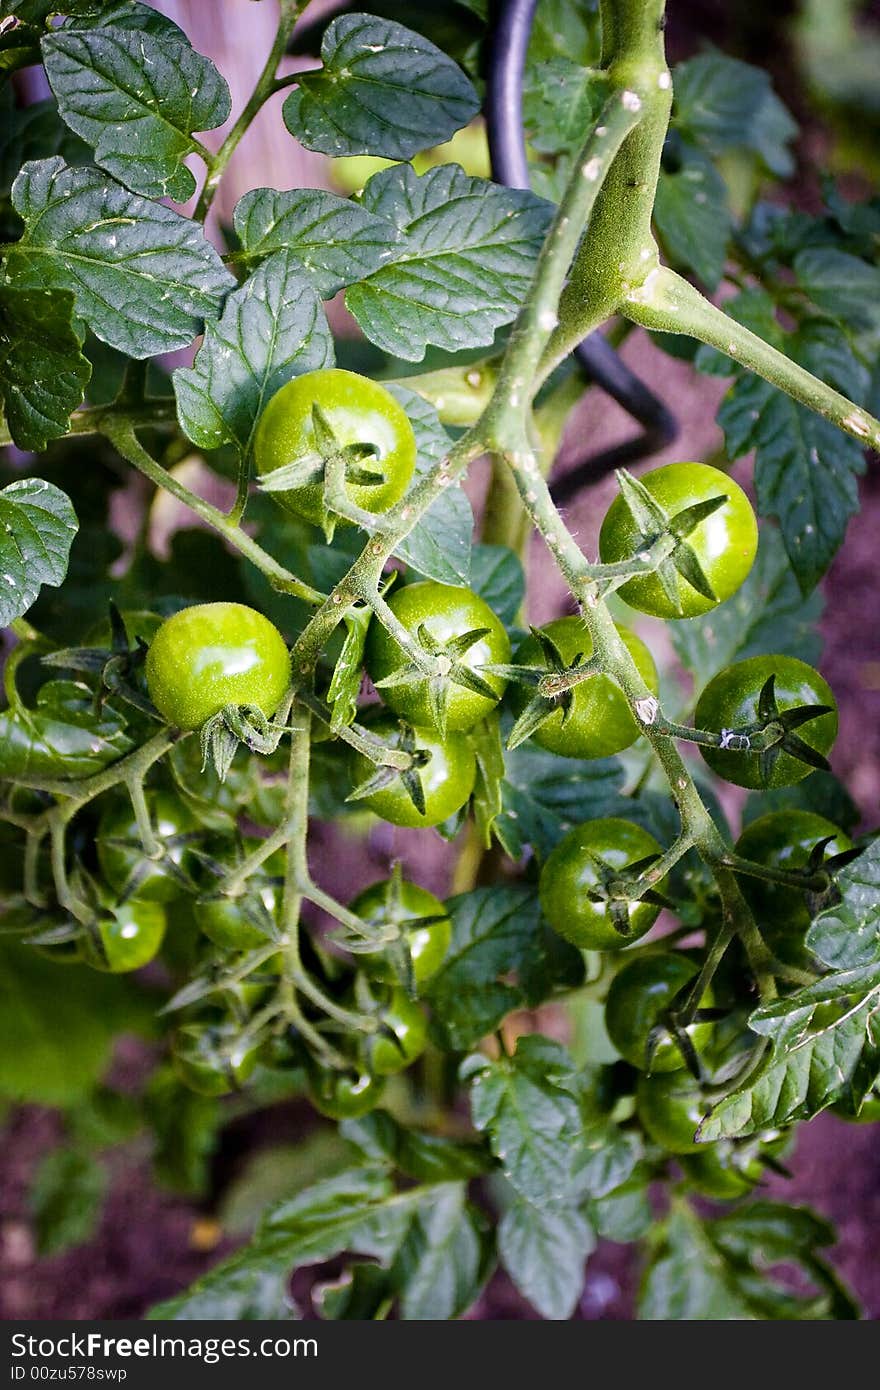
pixel 511 29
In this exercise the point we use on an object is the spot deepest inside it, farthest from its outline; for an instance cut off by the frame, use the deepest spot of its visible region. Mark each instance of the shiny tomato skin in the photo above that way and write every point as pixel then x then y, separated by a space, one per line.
pixel 571 872
pixel 405 905
pixel 447 779
pixel 639 993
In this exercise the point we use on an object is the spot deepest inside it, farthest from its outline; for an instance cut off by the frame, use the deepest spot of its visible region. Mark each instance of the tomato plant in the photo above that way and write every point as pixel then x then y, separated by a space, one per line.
pixel 305 609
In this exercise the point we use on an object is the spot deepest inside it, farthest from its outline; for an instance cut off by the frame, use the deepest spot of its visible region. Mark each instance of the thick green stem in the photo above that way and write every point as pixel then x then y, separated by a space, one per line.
pixel 668 303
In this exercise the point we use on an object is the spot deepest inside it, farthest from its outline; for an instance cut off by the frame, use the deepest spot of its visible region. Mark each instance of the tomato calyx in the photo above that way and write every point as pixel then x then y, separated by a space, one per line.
pixel 773 733
pixel 335 466
pixel 618 892
pixel 115 666
pixel 553 685
pixel 221 735
pixel 666 538
pixel 443 669
pixel 386 774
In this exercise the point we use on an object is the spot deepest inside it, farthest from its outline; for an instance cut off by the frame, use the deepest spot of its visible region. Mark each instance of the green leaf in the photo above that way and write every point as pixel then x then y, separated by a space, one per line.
pixel 805 468
pixel 66 1197
pixel 58 1025
pixel 844 286
pixel 37 527
pixel 847 935
pixel 497 576
pixel 825 1044
pixel 496 936
pixel 43 373
pixel 244 1288
pixel 439 545
pixel 488 749
pixel 62 736
pixel 532 1120
pixel 445 1258
pixel 426 1157
pixel 692 217
pixel 272 329
pixel 144 277
pixel 269 1175
pixel 463 260
pixel 625 1214
pixel 545 795
pixel 717 1270
pixel 137 98
pixel 722 104
pixel 345 684
pixel 333 240
pixel 767 615
pixel 33 132
pixel 544 1253
pixel 382 90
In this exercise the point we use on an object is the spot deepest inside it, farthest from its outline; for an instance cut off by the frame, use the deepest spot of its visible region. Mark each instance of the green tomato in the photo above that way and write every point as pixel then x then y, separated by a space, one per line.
pixel 671 1109
pixel 124 864
pixel 447 778
pixel 730 702
pixel 600 721
pixel 213 655
pixel 785 840
pixel 213 1059
pixel 247 920
pixel 125 937
pixel 404 1019
pixel 421 920
pixel 446 613
pixel 342 1095
pixel 724 543
pixel 639 995
pixel 723 1171
pixel 358 411
pixel 468 148
pixel 597 851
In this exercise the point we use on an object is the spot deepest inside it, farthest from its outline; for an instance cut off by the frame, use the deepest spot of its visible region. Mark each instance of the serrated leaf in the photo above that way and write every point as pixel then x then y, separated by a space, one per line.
pixel 847 935
pixel 144 277
pixel 37 527
pixel 43 373
pixel 137 99
pixel 702 1270
pixel 805 468
pixel 825 1043
pixel 382 90
pixel 531 1119
pixel 333 240
pixel 544 1252
pixel 543 796
pixel 463 260
pixel 844 286
pixel 692 217
pixel 767 615
pixel 445 1258
pixel 722 104
pixel 426 1157
pixel 439 545
pixel 272 329
pixel 66 1196
pixel 497 938
pixel 33 132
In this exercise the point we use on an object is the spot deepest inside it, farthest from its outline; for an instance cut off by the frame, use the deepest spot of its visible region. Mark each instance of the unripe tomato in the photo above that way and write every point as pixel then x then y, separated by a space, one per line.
pixel 721 1171
pixel 730 702
pixel 421 919
pixel 358 411
pixel 342 1095
pixel 785 840
pixel 671 1108
pixel 589 856
pixel 639 995
pixel 404 1018
pixel 121 855
pixel 243 922
pixel 446 613
pixel 724 543
pixel 600 721
pixel 125 937
pixel 213 655
pixel 447 778
pixel 213 1059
